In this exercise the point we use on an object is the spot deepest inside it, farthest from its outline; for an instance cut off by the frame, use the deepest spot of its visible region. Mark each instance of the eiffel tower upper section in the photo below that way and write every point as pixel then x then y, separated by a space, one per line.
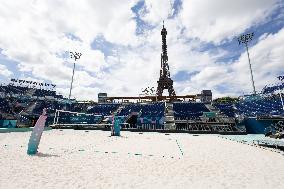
pixel 165 81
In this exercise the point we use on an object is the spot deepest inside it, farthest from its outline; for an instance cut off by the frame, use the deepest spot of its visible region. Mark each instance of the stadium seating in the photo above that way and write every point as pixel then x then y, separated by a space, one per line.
pixel 153 109
pixel 148 114
pixel 103 109
pixel 20 91
pixel 272 88
pixel 262 106
pixel 225 108
pixel 152 115
pixel 23 103
pixel 4 106
pixel 129 108
pixel 44 93
pixel 188 110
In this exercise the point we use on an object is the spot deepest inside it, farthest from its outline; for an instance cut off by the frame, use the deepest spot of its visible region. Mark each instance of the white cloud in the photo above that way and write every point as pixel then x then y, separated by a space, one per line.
pixel 214 21
pixel 155 11
pixel 4 71
pixel 81 92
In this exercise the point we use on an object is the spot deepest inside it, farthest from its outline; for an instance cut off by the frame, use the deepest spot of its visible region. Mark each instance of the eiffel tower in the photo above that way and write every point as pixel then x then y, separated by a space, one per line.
pixel 165 81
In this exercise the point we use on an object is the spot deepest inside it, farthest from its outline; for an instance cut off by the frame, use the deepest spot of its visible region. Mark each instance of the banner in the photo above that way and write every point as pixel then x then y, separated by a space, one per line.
pixel 8 123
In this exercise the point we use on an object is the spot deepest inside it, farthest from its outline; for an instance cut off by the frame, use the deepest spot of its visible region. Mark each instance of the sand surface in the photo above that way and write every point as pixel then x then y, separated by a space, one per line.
pixel 79 159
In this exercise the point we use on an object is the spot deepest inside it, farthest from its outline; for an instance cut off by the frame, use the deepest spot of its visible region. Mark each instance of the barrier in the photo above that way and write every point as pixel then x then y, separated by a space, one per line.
pixel 8 123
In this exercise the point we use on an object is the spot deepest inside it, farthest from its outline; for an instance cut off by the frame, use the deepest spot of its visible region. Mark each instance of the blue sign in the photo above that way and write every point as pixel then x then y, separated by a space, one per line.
pixel 8 123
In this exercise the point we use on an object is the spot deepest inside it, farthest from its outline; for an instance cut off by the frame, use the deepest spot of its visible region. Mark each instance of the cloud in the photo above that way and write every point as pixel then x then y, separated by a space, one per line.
pixel 214 21
pixel 4 71
pixel 154 11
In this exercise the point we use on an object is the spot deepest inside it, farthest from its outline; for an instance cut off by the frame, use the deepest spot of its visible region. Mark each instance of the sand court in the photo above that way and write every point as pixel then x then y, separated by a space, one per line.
pixel 93 159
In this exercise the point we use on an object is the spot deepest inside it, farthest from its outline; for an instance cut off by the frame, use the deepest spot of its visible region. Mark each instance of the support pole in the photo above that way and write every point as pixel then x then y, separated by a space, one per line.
pixel 76 56
pixel 252 80
pixel 245 38
pixel 281 100
pixel 72 82
pixel 55 114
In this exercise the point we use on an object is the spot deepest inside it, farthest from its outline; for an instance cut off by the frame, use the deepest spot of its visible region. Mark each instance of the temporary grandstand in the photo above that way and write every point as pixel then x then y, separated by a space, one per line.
pixel 258 113
pixel 24 101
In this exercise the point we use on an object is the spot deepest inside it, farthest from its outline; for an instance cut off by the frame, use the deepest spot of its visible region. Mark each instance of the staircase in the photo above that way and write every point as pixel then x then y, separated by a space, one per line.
pixel 211 108
pixel 105 122
pixel 169 123
pixel 30 92
pixel 30 107
pixel 119 109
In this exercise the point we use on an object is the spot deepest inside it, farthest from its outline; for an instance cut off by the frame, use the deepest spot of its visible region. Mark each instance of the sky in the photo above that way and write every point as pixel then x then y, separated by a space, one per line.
pixel 120 42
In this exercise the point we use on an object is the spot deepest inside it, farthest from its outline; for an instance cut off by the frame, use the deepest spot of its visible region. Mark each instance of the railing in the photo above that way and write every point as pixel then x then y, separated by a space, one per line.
pixel 79 125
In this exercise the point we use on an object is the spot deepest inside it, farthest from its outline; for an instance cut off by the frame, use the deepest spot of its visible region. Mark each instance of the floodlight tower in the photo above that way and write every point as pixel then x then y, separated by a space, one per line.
pixel 245 38
pixel 76 56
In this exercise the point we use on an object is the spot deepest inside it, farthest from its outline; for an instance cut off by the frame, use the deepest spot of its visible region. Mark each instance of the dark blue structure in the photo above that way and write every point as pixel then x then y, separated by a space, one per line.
pixel 188 110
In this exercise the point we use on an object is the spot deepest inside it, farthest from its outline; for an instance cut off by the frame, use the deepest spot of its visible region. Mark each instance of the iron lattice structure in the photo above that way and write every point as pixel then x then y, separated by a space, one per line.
pixel 165 81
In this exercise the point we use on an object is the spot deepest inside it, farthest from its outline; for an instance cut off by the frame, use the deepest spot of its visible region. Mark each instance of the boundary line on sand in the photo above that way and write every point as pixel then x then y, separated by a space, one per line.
pixel 179 147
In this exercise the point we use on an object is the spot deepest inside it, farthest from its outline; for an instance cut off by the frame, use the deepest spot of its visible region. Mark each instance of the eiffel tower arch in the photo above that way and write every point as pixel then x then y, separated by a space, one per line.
pixel 165 81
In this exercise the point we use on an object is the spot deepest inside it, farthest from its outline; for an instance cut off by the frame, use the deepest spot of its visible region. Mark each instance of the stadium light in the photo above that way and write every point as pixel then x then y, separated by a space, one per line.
pixel 245 38
pixel 76 56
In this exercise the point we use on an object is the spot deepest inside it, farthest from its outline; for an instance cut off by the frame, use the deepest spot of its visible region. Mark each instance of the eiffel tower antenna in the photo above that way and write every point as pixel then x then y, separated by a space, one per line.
pixel 165 81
